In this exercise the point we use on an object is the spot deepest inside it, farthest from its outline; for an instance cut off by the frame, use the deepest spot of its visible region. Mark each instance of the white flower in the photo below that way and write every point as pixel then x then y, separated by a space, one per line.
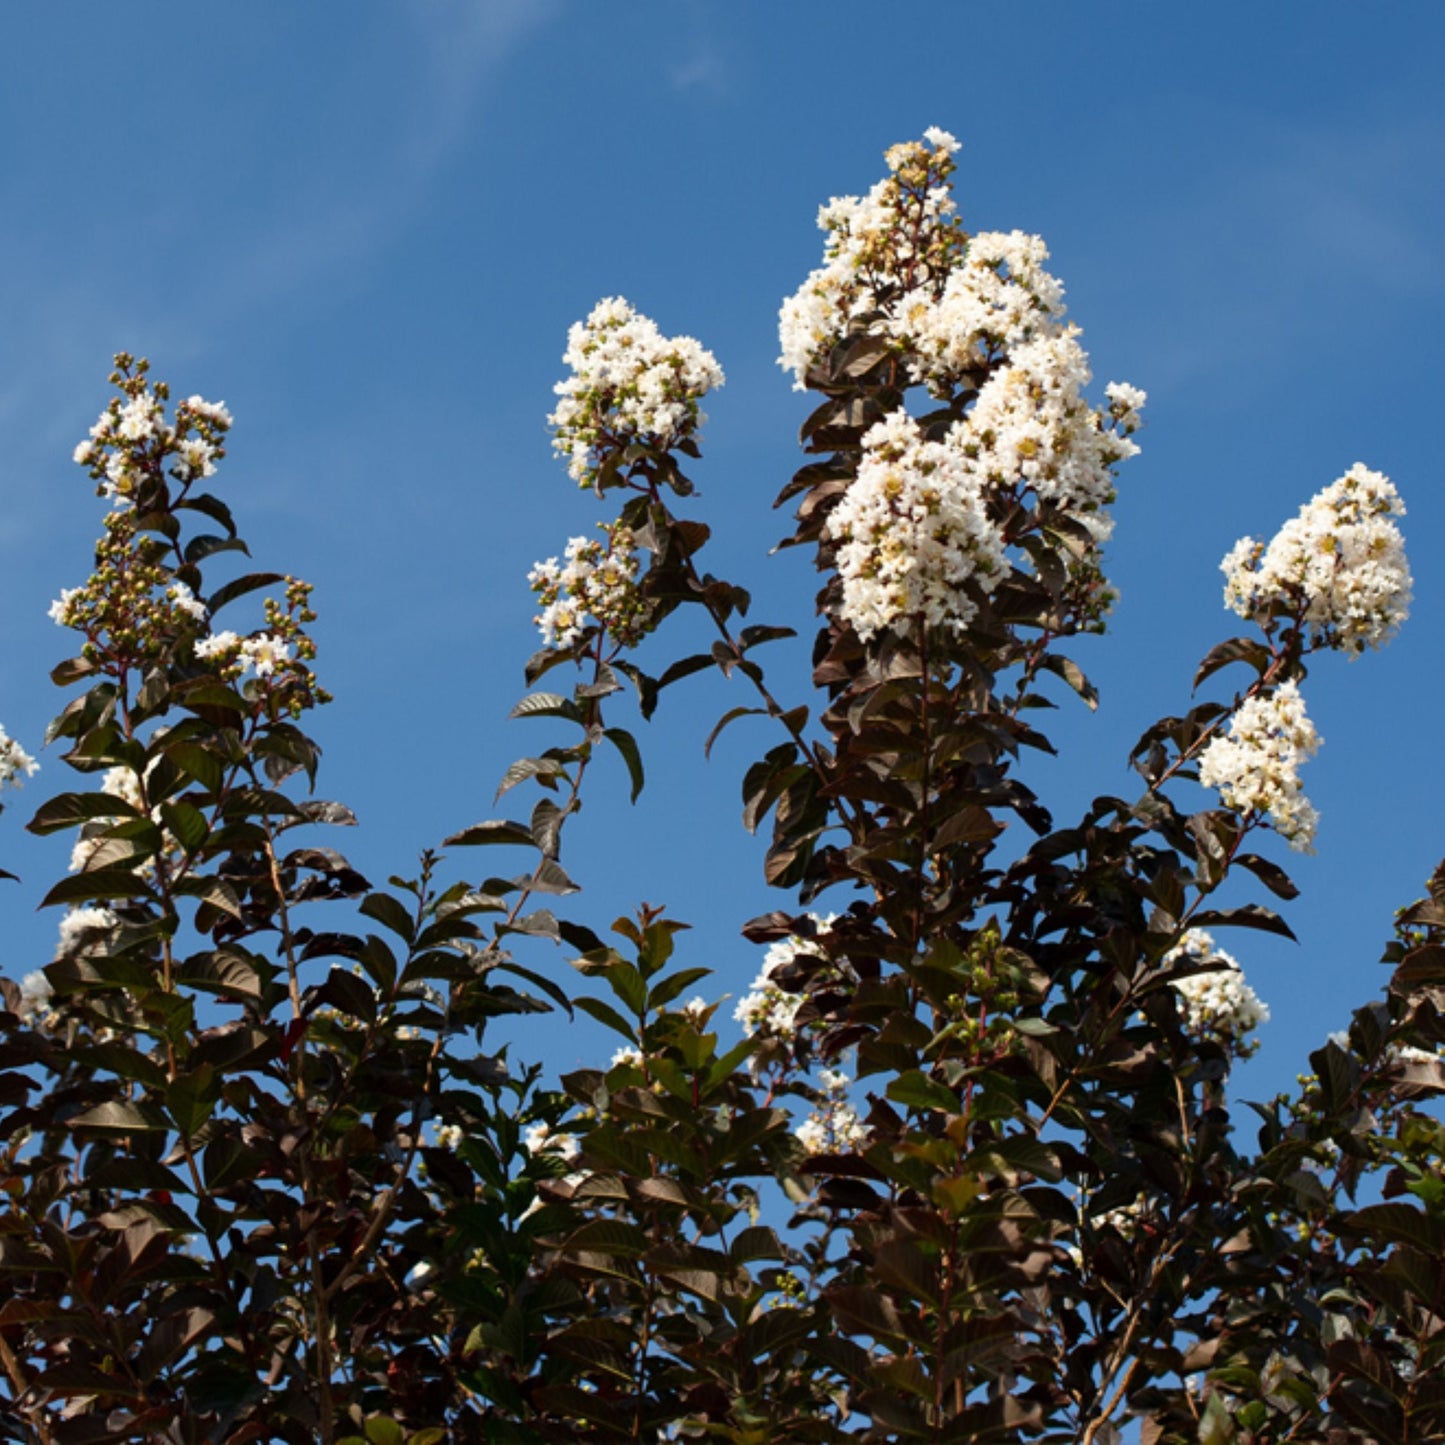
pixel 218 644
pixel 540 1139
pixel 120 782
pixel 628 383
pixel 120 478
pixel 1127 1218
pixel 264 654
pixel 60 609
pixel 769 1010
pixel 198 457
pixel 628 1055
pixel 1125 404
pixel 212 411
pixel 696 1010
pixel 139 419
pixel 883 249
pixel 914 537
pixel 812 1134
pixel 185 600
pixel 1256 767
pixel 1217 1005
pixel 1410 1054
pixel 448 1136
pixel 833 1127
pixel 15 762
pixel 1339 566
pixel 1031 428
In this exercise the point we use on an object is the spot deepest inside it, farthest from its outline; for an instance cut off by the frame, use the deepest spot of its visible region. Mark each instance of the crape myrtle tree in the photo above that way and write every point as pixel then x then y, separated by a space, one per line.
pixel 968 1170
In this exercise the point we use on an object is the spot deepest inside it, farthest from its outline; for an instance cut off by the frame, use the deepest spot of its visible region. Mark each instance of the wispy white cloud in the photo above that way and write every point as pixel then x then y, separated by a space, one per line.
pixel 461 45
pixel 154 280
pixel 1314 233
pixel 703 71
pixel 701 67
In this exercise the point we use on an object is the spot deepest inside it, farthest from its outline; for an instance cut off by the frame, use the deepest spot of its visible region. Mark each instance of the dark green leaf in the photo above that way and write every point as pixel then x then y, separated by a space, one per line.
pixel 67 809
pixel 1248 915
pixel 547 704
pixel 496 830
pixel 101 884
pixel 239 587
pixel 731 716
pixel 626 744
pixel 390 914
pixel 192 1098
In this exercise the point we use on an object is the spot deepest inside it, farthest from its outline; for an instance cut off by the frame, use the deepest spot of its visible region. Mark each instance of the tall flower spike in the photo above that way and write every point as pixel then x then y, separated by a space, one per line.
pixel 976 320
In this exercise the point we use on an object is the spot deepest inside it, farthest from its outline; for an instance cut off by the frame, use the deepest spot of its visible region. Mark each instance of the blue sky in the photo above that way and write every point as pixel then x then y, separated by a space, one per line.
pixel 369 238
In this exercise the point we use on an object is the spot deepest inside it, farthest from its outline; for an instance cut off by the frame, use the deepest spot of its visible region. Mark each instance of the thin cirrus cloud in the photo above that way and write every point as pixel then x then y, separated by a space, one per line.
pixel 462 44
pixel 1323 231
pixel 69 302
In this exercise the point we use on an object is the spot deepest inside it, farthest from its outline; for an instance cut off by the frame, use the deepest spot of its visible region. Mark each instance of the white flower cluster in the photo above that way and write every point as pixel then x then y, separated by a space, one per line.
pixel 915 528
pixel 833 1127
pixel 35 999
pixel 1032 429
pixel 913 532
pixel 1127 1218
pixel 629 383
pixel 1217 1006
pixel 261 654
pixel 70 608
pixel 597 584
pixel 80 927
pixel 999 298
pixel 1256 766
pixel 540 1139
pixel 1125 404
pixel 1339 566
pixel 120 782
pixel 15 762
pixel 1411 1054
pixel 766 1010
pixel 134 434
pixel 897 241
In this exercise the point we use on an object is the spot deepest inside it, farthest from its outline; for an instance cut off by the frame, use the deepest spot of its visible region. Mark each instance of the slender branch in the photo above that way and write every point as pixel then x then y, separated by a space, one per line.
pixel 16 1376
pixel 1133 1319
pixel 810 748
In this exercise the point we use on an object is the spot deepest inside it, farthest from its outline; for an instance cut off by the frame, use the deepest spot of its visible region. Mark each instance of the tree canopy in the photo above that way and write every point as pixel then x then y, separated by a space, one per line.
pixel 962 1166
